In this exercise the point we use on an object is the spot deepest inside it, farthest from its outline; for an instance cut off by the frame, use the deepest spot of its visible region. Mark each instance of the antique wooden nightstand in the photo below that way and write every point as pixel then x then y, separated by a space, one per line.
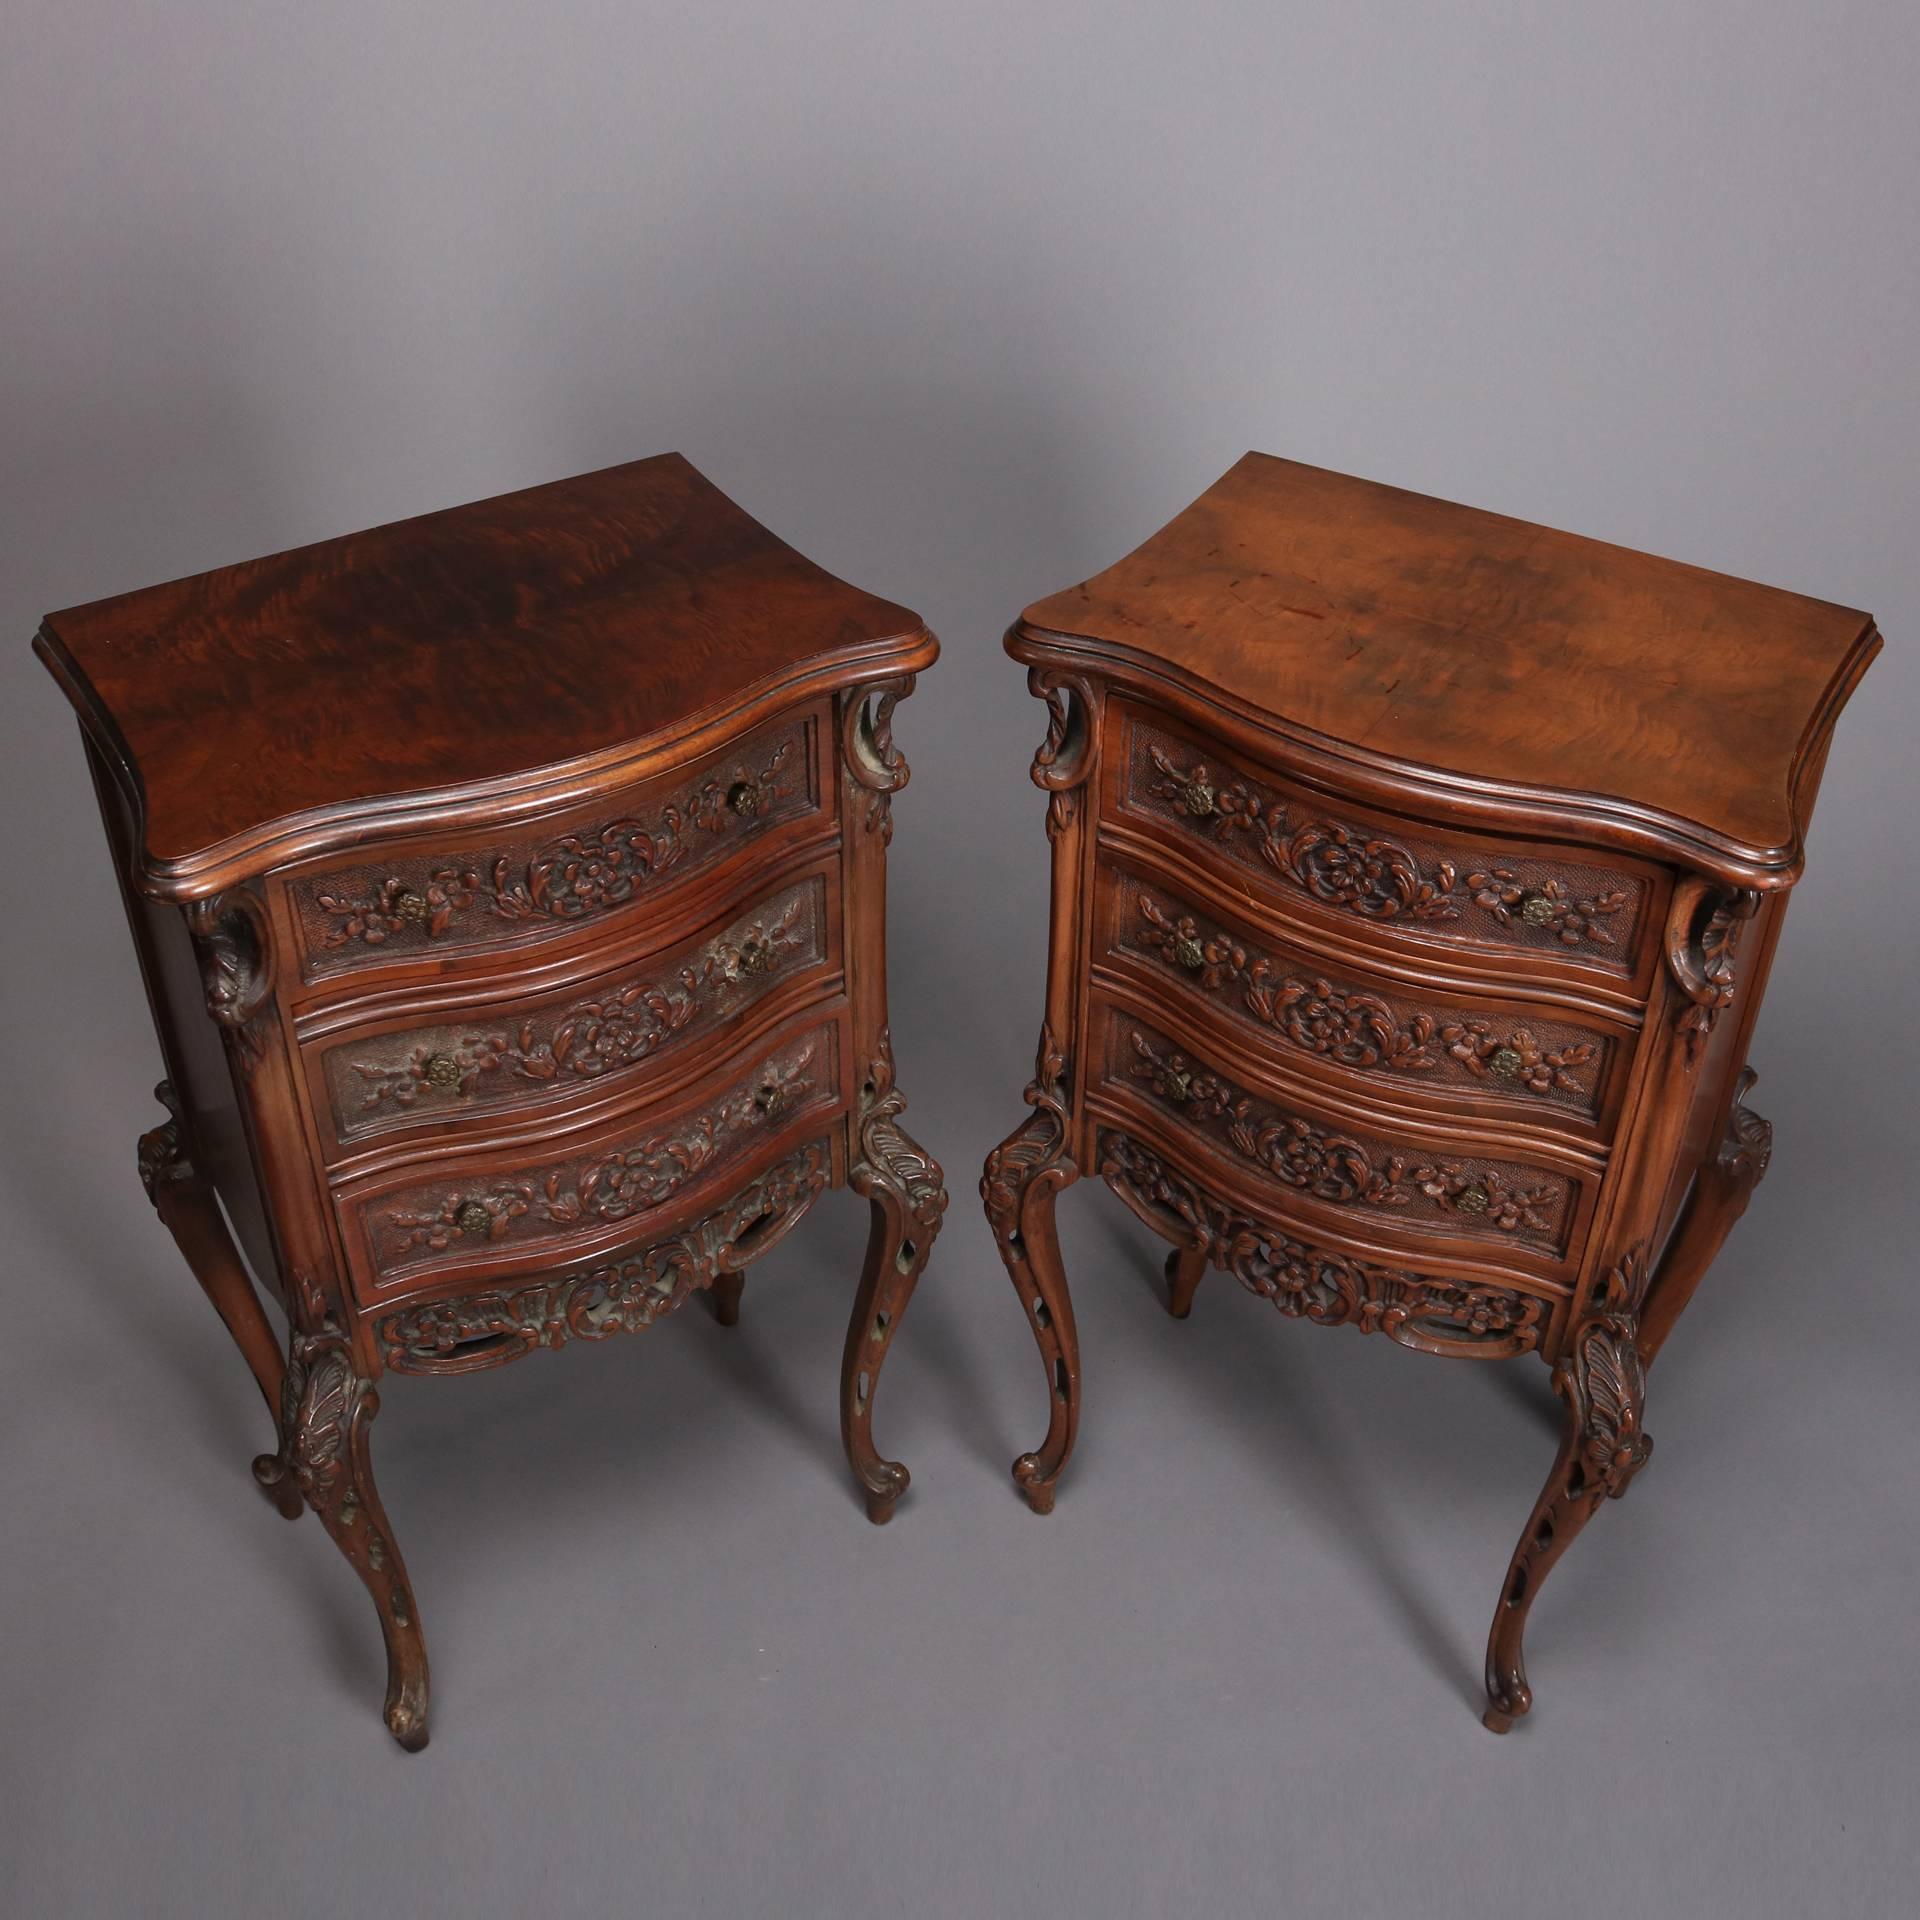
pixel 509 886
pixel 1416 874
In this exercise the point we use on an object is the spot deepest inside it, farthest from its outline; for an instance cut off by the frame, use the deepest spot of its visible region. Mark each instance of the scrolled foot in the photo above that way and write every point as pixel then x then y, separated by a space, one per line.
pixel 1037 1487
pixel 271 1476
pixel 880 1499
pixel 406 1714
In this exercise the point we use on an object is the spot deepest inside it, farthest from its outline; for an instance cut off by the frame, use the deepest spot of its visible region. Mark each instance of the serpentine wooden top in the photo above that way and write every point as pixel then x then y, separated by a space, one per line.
pixel 1653 701
pixel 597 625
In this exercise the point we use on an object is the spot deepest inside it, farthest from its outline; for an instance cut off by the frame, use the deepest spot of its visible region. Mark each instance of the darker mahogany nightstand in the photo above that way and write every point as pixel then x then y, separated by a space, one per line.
pixel 1416 874
pixel 509 886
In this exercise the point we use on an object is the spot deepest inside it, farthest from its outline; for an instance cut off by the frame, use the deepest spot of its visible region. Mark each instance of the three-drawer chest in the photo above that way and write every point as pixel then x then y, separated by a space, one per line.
pixel 1416 873
pixel 509 886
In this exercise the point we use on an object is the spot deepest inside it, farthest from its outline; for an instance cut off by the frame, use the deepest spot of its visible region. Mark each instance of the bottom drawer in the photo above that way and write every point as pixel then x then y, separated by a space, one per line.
pixel 1475 1318
pixel 519 1207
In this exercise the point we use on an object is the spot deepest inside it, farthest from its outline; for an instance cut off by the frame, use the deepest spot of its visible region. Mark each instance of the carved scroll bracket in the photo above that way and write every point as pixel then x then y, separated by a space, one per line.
pixel 1066 758
pixel 235 951
pixel 866 737
pixel 1704 925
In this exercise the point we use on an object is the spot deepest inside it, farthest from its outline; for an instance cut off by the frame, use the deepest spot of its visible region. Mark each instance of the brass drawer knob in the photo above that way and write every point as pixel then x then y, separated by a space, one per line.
pixel 1178 1087
pixel 1198 797
pixel 756 955
pixel 1536 909
pixel 472 1218
pixel 1505 1061
pixel 1189 952
pixel 442 1071
pixel 1473 1200
pixel 769 1098
pixel 410 906
pixel 744 798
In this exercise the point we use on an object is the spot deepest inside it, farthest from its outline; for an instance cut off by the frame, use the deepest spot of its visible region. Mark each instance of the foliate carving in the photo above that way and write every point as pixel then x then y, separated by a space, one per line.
pixel 234 948
pixel 1039 1142
pixel 875 764
pixel 566 878
pixel 1702 960
pixel 1363 1030
pixel 886 1153
pixel 1331 1289
pixel 622 1296
pixel 1342 1170
pixel 611 1187
pixel 162 1153
pixel 1065 759
pixel 1373 876
pixel 616 1028
pixel 1748 1144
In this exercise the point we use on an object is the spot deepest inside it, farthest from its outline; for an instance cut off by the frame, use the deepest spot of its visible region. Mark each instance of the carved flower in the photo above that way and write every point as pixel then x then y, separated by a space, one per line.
pixel 1485 1195
pixel 1549 906
pixel 1209 958
pixel 1519 1057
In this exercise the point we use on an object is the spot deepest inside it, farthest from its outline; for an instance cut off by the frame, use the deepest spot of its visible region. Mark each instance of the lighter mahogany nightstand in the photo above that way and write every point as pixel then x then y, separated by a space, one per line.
pixel 509 886
pixel 1416 874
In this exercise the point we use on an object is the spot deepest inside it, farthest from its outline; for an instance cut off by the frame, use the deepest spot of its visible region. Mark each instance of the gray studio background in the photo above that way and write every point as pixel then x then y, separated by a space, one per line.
pixel 964 300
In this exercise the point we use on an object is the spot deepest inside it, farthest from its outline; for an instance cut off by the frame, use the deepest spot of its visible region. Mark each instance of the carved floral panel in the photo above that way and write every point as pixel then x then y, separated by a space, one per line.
pixel 1377 872
pixel 444 1220
pixel 1531 1058
pixel 1306 1282
pixel 1340 1167
pixel 603 1030
pixel 423 902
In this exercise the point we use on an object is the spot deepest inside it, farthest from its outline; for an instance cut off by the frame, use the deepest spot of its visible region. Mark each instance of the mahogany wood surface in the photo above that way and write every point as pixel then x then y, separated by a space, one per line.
pixel 1401 627
pixel 509 887
pixel 460 649
pixel 1416 874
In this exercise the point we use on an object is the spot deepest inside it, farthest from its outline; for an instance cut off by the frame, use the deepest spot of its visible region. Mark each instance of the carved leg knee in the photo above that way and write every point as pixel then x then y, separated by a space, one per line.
pixel 1024 1176
pixel 1603 1382
pixel 324 1459
pixel 903 1184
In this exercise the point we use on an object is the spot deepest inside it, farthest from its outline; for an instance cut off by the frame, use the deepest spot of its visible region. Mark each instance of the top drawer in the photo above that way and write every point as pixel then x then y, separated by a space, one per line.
pixel 458 894
pixel 1342 861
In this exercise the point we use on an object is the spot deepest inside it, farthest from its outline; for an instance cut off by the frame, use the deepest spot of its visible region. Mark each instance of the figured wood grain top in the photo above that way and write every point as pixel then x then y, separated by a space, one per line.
pixel 1438 636
pixel 469 646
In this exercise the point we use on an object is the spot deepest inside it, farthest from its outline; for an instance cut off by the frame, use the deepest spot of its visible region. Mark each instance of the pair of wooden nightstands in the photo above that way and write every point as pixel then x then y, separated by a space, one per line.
pixel 509 888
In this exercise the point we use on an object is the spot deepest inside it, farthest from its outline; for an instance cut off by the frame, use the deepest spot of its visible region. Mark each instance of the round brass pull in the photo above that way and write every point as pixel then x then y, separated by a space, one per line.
pixel 1536 909
pixel 1178 1087
pixel 1189 952
pixel 441 1071
pixel 1505 1061
pixel 1198 797
pixel 1473 1200
pixel 756 956
pixel 410 906
pixel 744 798
pixel 769 1098
pixel 472 1218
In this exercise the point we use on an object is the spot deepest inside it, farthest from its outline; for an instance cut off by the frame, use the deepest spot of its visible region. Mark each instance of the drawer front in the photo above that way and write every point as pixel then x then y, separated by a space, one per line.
pixel 1290 1144
pixel 455 897
pixel 1343 860
pixel 501 1210
pixel 1488 1050
pixel 592 1037
pixel 1473 1319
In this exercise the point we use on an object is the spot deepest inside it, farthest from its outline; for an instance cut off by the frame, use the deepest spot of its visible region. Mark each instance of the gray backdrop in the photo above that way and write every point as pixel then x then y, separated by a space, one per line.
pixel 964 300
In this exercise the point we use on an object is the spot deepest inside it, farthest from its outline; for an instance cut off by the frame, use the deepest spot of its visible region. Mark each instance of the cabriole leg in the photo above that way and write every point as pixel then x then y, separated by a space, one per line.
pixel 1024 1176
pixel 903 1184
pixel 324 1458
pixel 1603 1382
pixel 189 1211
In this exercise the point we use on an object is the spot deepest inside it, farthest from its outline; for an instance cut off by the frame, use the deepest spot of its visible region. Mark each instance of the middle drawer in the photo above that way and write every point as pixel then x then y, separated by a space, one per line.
pixel 584 1041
